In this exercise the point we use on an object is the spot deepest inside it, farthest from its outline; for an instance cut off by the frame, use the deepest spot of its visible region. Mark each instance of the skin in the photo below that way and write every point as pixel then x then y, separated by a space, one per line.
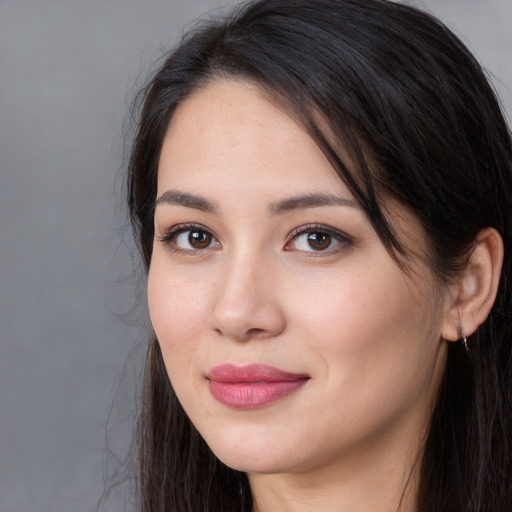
pixel 367 334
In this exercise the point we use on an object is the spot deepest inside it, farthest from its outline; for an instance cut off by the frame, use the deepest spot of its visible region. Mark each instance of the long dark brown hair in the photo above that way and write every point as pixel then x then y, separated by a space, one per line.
pixel 414 112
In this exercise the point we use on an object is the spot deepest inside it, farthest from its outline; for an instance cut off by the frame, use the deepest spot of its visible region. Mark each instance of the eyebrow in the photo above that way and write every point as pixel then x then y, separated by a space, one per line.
pixel 294 203
pixel 173 197
pixel 306 201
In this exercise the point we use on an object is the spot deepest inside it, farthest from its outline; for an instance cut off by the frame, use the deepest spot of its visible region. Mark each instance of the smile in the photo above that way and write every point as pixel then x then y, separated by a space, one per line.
pixel 252 386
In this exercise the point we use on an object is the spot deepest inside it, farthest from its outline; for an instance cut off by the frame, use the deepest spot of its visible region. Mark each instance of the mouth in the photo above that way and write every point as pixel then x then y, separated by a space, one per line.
pixel 252 386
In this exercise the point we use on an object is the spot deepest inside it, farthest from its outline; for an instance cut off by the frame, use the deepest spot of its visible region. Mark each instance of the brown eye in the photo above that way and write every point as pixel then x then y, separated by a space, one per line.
pixel 319 241
pixel 199 239
pixel 190 239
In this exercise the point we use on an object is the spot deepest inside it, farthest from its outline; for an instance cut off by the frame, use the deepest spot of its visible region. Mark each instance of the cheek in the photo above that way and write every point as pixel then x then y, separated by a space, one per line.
pixel 177 312
pixel 176 309
pixel 370 330
pixel 356 309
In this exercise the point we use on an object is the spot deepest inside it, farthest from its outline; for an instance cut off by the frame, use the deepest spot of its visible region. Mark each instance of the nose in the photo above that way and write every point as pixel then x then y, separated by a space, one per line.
pixel 246 302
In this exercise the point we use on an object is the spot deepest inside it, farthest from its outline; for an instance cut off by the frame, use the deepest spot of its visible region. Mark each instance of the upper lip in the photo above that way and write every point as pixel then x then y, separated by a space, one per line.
pixel 230 373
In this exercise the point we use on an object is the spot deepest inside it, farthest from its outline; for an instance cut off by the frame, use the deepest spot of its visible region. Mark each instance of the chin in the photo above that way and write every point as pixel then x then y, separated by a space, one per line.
pixel 253 463
pixel 250 455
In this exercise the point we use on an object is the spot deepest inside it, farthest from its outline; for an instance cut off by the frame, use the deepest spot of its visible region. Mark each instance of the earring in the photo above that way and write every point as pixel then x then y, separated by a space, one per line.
pixel 463 337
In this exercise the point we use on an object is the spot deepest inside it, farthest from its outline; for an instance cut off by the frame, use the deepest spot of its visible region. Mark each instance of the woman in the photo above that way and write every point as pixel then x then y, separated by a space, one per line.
pixel 321 191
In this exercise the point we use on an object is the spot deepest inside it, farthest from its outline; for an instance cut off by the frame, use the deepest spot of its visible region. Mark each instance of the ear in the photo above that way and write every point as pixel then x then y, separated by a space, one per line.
pixel 474 294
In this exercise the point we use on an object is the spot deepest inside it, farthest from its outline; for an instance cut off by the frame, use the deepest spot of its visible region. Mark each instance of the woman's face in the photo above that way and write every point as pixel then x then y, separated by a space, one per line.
pixel 291 337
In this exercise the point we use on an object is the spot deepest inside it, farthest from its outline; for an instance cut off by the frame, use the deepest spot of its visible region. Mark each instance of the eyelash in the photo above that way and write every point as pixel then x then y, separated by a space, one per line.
pixel 342 238
pixel 170 236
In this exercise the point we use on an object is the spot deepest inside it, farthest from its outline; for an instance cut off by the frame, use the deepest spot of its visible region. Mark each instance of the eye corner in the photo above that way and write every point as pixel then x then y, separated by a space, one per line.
pixel 332 240
pixel 180 239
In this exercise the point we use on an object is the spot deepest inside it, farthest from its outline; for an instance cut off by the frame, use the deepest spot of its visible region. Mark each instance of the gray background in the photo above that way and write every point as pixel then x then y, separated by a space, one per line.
pixel 69 319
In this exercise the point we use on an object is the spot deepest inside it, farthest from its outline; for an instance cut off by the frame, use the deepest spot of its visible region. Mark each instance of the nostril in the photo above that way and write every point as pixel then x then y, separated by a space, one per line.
pixel 256 333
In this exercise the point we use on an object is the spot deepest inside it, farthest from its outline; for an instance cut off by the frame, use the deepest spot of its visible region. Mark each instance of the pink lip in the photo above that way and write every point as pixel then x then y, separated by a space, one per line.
pixel 252 386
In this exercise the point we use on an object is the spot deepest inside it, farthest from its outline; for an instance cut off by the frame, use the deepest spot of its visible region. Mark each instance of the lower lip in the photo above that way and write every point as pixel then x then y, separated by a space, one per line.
pixel 251 395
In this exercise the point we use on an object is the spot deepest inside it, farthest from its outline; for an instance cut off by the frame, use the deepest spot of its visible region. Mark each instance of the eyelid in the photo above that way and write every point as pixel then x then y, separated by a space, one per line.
pixel 320 228
pixel 173 232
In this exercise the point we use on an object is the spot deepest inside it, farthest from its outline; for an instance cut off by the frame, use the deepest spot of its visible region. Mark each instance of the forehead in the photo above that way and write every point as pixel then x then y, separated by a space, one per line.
pixel 231 131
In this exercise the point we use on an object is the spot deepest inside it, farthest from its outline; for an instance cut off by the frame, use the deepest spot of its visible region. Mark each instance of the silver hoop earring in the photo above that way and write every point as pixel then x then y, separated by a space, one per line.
pixel 463 337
